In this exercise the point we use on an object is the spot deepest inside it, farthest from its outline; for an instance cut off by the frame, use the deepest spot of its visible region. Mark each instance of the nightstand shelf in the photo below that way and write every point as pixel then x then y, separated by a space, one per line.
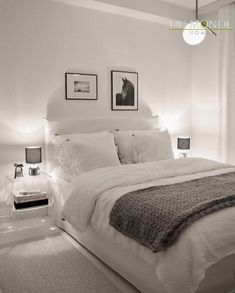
pixel 27 213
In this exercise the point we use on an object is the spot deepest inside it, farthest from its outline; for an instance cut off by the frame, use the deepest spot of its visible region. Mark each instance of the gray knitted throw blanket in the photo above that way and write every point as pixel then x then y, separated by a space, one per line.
pixel 156 216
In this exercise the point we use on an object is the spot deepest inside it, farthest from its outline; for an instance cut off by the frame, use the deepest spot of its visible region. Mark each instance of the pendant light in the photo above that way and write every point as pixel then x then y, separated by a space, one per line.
pixel 195 32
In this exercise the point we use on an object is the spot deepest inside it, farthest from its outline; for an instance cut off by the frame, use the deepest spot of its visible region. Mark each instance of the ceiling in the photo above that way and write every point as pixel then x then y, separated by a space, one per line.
pixel 189 3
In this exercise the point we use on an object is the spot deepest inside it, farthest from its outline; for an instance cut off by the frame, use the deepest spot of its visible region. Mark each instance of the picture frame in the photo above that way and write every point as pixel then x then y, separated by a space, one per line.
pixel 124 91
pixel 81 86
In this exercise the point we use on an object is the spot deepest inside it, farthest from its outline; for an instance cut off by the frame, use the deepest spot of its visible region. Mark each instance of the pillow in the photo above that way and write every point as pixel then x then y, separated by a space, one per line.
pixel 153 146
pixel 59 172
pixel 60 138
pixel 87 152
pixel 126 144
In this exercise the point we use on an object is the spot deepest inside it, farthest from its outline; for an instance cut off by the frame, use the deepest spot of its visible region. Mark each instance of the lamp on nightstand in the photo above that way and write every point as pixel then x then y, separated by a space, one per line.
pixel 183 145
pixel 33 155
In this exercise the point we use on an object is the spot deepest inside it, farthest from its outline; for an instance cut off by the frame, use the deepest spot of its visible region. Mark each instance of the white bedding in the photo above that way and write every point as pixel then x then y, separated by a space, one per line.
pixel 181 267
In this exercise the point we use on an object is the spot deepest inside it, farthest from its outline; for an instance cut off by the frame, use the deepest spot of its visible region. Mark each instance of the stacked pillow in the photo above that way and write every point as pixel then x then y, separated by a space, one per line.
pixel 78 153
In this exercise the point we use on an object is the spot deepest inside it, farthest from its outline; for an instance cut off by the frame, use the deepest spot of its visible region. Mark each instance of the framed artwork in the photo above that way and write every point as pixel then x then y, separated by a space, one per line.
pixel 81 86
pixel 124 87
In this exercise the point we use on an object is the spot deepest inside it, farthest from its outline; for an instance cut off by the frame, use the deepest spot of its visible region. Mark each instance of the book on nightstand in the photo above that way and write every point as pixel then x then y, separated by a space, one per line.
pixel 28 199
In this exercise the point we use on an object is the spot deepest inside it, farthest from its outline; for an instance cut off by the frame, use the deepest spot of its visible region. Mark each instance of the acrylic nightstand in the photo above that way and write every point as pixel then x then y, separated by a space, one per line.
pixel 18 224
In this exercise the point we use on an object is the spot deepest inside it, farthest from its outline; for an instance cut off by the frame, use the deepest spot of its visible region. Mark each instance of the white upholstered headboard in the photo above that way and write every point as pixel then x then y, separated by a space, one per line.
pixel 76 125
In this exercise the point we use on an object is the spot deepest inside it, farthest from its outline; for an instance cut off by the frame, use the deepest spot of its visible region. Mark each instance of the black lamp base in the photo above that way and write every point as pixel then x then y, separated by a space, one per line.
pixel 34 171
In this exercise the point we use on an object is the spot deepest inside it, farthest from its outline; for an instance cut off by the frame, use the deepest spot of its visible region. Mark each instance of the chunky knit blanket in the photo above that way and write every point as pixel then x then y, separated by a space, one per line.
pixel 156 216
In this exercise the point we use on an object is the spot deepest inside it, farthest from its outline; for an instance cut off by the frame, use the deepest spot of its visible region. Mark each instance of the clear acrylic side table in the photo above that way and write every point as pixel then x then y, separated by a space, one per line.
pixel 30 222
pixel 29 184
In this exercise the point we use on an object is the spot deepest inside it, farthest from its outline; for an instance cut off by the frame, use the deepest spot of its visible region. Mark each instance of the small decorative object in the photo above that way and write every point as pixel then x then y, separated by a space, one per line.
pixel 183 145
pixel 80 86
pixel 33 155
pixel 124 87
pixel 18 170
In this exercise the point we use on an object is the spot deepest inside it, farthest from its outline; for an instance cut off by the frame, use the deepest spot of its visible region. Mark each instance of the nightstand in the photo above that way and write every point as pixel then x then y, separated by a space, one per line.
pixel 31 187
pixel 17 221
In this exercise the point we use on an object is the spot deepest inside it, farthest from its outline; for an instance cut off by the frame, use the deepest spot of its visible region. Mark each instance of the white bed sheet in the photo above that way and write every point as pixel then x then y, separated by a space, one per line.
pixel 183 265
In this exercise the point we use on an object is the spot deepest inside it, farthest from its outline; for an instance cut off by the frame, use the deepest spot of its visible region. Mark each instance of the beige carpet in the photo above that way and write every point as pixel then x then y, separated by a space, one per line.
pixel 50 265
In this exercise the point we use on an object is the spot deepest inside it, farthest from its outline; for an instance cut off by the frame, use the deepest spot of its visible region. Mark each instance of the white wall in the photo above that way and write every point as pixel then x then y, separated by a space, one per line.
pixel 211 93
pixel 227 56
pixel 40 40
pixel 205 97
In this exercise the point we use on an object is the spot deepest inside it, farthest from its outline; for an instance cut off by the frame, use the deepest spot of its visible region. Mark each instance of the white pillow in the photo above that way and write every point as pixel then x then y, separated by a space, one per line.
pixel 59 172
pixel 126 144
pixel 153 146
pixel 60 138
pixel 87 152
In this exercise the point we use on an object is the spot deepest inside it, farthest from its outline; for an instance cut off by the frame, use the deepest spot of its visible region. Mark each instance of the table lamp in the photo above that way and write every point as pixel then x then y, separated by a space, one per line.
pixel 33 156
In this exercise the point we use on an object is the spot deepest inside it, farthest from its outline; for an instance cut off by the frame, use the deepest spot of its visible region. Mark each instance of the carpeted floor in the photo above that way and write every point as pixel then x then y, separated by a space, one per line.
pixel 50 265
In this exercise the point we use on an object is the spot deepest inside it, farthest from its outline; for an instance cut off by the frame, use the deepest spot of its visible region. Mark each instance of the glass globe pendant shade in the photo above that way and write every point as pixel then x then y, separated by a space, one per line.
pixel 194 33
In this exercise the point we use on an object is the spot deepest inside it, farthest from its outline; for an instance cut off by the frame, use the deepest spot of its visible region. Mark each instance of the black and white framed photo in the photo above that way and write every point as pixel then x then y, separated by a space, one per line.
pixel 124 87
pixel 81 86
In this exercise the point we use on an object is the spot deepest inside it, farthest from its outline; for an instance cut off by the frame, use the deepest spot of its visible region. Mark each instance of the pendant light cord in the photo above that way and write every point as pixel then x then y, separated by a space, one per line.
pixel 197 18
pixel 197 14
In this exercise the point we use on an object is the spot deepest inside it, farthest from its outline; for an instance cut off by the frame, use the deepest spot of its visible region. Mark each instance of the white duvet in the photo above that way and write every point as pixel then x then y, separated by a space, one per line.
pixel 182 266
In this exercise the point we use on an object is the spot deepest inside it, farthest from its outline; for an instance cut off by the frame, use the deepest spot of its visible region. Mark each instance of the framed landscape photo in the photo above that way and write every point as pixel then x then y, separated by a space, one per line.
pixel 81 86
pixel 124 87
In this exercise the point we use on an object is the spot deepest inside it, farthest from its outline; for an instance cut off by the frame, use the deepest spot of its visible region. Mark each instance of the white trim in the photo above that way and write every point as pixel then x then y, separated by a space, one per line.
pixel 155 12
pixel 91 4
pixel 214 6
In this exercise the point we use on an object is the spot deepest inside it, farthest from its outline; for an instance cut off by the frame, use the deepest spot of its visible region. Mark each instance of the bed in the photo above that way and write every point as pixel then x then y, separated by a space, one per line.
pixel 192 264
